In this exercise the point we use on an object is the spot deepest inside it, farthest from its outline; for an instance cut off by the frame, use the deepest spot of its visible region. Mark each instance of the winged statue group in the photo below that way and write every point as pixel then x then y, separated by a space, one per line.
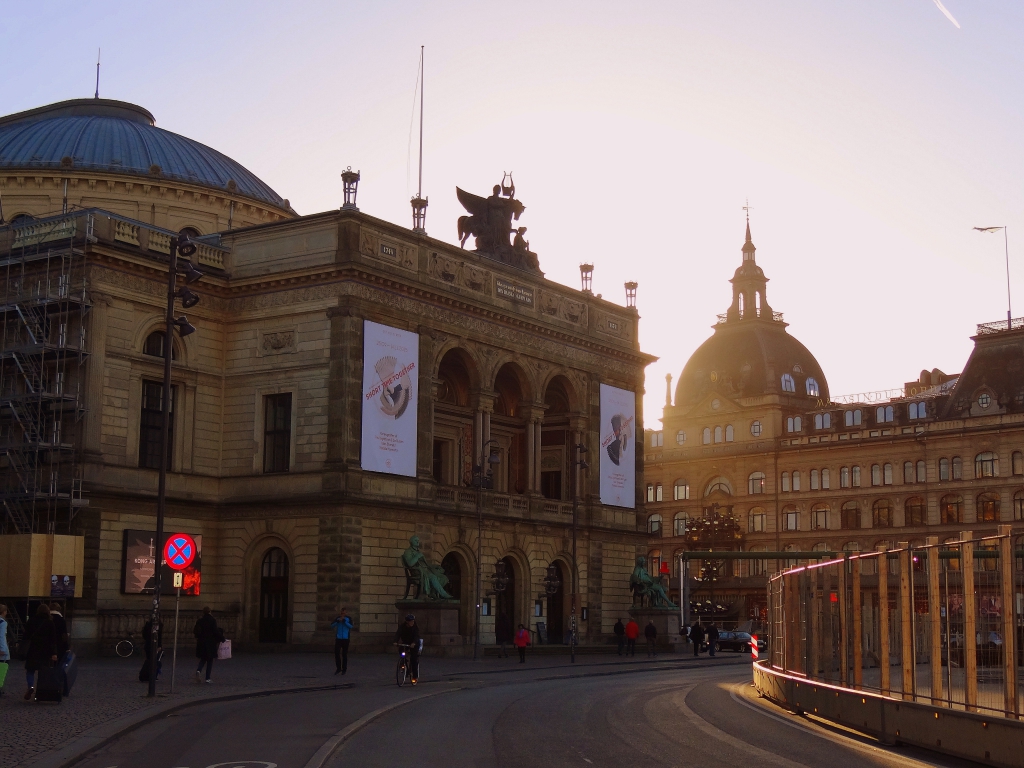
pixel 490 222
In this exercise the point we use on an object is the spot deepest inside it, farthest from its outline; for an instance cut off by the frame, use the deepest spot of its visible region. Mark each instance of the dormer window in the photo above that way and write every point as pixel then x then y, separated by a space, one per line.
pixel 812 387
pixel 984 400
pixel 853 418
pixel 788 385
pixel 917 410
pixel 794 424
pixel 823 421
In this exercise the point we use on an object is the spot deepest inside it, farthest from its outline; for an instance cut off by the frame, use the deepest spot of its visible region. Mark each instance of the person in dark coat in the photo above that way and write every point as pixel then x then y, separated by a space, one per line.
pixel 503 633
pixel 651 633
pixel 41 646
pixel 60 626
pixel 620 634
pixel 147 635
pixel 208 638
pixel 712 635
pixel 696 637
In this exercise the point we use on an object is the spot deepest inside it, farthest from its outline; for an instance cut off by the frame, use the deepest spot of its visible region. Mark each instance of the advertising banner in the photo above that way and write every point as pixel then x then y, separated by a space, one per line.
pixel 618 448
pixel 140 553
pixel 390 392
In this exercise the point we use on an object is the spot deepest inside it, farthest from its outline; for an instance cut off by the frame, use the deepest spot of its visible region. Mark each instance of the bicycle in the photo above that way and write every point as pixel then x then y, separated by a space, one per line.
pixel 404 669
pixel 125 647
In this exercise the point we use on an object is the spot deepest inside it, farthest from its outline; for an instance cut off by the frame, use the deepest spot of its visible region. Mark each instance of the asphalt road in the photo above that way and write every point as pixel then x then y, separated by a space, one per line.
pixel 672 713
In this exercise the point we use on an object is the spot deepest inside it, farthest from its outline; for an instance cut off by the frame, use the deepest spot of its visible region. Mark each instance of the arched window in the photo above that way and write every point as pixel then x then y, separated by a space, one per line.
pixel 1018 505
pixel 958 468
pixel 729 433
pixel 788 385
pixel 844 477
pixel 908 471
pixel 852 418
pixel 988 507
pixel 189 232
pixel 650 492
pixel 705 436
pixel 755 483
pixel 850 514
pixel 679 524
pixel 883 414
pixel 876 474
pixel 914 511
pixel 943 469
pixel 917 411
pixel 1017 462
pixel 855 473
pixel 755 428
pixel 790 519
pixel 785 482
pixel 718 434
pixel 681 490
pixel 718 484
pixel 812 387
pixel 824 480
pixel 815 480
pixel 757 520
pixel 273 626
pixel 794 424
pixel 922 475
pixel 986 465
pixel 819 517
pixel 881 514
pixel 654 524
pixel 951 509
pixel 154 346
pixel 796 480
pixel 887 474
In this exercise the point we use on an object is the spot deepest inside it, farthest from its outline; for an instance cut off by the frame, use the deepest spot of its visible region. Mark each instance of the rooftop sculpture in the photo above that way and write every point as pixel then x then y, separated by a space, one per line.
pixel 490 223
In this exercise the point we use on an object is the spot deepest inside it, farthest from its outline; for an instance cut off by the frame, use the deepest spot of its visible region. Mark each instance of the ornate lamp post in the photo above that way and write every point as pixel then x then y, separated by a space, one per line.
pixel 577 466
pixel 350 179
pixel 183 246
pixel 419 214
pixel 483 477
pixel 631 294
pixel 586 277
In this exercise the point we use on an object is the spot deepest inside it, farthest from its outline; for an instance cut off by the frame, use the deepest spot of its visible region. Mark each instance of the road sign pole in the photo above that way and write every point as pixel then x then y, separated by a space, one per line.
pixel 174 653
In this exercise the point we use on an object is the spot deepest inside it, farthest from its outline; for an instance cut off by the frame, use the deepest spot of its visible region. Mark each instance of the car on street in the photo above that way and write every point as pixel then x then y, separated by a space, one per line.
pixel 739 642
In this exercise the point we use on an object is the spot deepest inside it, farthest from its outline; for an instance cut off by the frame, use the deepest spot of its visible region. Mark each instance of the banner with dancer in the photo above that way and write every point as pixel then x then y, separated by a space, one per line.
pixel 390 372
pixel 618 448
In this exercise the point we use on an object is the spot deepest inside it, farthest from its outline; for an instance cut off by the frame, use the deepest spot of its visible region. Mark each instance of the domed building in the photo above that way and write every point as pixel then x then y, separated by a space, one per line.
pixel 102 153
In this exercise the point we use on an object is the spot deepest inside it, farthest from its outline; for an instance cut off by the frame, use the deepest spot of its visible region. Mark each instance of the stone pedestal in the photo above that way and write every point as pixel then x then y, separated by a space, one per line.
pixel 666 621
pixel 438 621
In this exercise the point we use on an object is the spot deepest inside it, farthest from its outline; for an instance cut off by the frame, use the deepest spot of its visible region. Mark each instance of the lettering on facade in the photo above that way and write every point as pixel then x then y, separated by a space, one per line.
pixel 612 325
pixel 388 250
pixel 507 290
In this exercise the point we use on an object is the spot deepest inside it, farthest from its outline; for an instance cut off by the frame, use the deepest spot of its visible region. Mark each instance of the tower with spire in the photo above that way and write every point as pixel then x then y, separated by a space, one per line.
pixel 749 284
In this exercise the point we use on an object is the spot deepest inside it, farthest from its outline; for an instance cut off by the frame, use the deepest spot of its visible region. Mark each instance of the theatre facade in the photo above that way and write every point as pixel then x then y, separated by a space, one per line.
pixel 347 385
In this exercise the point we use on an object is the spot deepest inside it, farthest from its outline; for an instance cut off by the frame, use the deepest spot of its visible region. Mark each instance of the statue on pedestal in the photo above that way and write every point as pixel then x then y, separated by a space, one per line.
pixel 429 580
pixel 490 222
pixel 643 586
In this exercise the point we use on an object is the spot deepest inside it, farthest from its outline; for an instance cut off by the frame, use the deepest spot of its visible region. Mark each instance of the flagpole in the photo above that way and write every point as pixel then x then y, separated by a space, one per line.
pixel 1009 313
pixel 419 184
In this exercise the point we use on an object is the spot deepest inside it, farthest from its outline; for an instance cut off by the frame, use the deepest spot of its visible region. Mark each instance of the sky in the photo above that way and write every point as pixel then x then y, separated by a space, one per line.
pixel 868 137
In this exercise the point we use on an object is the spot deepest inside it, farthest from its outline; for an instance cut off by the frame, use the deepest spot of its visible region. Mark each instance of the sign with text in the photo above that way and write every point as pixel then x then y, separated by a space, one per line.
pixel 618 449
pixel 507 290
pixel 140 553
pixel 390 398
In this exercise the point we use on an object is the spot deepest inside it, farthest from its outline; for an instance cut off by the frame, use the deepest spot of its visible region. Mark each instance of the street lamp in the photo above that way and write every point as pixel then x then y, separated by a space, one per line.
pixel 1006 249
pixel 181 245
pixel 482 477
pixel 577 466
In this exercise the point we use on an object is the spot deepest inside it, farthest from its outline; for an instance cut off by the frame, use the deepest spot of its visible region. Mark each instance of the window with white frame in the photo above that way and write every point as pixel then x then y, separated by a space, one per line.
pixel 679 524
pixel 729 433
pixel 855 475
pixel 876 474
pixel 819 517
pixel 884 414
pixel 785 482
pixel 654 524
pixel 650 492
pixel 908 471
pixel 788 385
pixel 887 474
pixel 658 493
pixel 824 480
pixel 986 465
pixel 958 468
pixel 921 471
pixel 705 436
pixel 796 480
pixel 657 439
pixel 917 410
pixel 794 424
pixel 681 490
pixel 823 421
pixel 756 482
pixel 718 434
pixel 815 480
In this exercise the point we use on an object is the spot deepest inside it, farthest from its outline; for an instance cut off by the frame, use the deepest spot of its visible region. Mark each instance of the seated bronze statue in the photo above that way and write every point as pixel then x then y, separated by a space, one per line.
pixel 641 583
pixel 432 580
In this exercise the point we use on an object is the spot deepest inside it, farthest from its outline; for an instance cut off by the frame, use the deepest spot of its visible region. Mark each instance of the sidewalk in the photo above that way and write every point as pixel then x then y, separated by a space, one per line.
pixel 108 692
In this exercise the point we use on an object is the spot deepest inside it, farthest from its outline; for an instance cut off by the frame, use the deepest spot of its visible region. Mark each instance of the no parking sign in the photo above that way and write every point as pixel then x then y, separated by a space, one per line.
pixel 179 551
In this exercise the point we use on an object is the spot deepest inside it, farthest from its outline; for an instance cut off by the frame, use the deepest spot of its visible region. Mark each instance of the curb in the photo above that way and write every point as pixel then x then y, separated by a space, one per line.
pixel 105 733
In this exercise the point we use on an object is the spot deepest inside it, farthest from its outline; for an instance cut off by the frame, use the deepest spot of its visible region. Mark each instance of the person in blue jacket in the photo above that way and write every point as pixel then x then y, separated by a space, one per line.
pixel 342 627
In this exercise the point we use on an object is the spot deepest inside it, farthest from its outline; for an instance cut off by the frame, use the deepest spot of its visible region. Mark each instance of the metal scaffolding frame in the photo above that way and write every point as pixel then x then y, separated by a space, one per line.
pixel 44 305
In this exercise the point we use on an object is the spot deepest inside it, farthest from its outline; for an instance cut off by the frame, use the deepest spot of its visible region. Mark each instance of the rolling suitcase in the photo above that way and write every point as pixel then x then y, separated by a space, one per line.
pixel 69 671
pixel 48 685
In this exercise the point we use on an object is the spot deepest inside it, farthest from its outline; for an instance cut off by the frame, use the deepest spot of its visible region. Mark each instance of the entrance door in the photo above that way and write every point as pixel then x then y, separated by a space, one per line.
pixel 556 610
pixel 274 597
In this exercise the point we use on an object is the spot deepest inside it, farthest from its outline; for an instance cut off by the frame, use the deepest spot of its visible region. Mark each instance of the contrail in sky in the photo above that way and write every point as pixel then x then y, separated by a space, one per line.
pixel 947 13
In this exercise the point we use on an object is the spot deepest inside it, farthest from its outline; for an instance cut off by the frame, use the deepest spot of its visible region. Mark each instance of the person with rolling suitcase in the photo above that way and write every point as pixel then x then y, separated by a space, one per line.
pixel 40 657
pixel 5 649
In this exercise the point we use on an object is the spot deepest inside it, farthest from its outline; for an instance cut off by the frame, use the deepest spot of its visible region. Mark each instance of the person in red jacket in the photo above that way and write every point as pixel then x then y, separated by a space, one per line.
pixel 521 640
pixel 632 633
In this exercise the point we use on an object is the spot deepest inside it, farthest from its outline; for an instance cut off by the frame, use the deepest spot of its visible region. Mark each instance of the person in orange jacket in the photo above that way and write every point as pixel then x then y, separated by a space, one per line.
pixel 521 640
pixel 632 633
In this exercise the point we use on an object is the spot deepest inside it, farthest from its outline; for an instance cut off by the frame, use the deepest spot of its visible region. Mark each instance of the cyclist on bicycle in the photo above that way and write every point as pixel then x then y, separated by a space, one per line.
pixel 409 634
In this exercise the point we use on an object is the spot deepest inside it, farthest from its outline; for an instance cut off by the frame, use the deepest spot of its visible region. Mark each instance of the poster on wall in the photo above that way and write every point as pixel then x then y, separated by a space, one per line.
pixel 140 553
pixel 618 449
pixel 390 390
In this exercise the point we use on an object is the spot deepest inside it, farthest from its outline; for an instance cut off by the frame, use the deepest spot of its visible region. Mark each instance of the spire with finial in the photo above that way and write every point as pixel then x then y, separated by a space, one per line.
pixel 748 285
pixel 748 246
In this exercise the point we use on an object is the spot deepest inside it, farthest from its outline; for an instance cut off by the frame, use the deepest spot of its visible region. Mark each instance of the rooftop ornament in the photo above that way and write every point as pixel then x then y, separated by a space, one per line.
pixel 631 294
pixel 587 277
pixel 490 223
pixel 350 179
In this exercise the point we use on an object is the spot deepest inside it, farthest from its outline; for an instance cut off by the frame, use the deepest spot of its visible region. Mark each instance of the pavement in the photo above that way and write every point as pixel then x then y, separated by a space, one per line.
pixel 108 701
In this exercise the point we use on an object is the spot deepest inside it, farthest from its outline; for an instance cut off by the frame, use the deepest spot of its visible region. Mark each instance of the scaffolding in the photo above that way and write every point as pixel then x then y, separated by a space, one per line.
pixel 43 308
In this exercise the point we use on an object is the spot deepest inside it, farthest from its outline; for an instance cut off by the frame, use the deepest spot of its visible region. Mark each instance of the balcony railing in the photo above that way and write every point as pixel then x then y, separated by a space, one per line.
pixel 1001 325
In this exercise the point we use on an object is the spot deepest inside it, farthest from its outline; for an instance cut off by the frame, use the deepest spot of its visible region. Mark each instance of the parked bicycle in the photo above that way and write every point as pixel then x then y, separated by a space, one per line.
pixel 125 647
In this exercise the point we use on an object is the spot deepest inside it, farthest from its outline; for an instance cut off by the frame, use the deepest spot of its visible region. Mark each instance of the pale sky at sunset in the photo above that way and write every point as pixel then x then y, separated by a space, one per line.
pixel 869 137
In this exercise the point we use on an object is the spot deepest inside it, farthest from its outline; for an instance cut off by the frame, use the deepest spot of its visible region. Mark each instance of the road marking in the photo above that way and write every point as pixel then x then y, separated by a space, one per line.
pixel 331 745
pixel 244 764
pixel 720 735
pixel 850 743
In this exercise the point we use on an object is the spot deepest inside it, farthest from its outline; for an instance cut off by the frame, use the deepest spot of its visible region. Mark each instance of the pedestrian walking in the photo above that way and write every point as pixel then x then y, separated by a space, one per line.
pixel 5 649
pixel 632 633
pixel 503 634
pixel 712 635
pixel 696 637
pixel 521 640
pixel 620 634
pixel 651 633
pixel 41 646
pixel 208 637
pixel 150 649
pixel 342 626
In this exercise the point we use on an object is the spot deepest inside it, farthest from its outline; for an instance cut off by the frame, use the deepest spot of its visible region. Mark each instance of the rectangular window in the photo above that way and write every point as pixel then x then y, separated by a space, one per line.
pixel 757 523
pixel 658 493
pixel 785 481
pixel 277 433
pixel 820 519
pixel 151 425
pixel 650 492
pixel 888 474
pixel 815 477
pixel 844 477
pixel 824 480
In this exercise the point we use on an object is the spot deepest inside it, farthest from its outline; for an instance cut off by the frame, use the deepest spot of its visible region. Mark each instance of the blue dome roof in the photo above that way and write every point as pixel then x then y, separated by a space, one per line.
pixel 117 137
